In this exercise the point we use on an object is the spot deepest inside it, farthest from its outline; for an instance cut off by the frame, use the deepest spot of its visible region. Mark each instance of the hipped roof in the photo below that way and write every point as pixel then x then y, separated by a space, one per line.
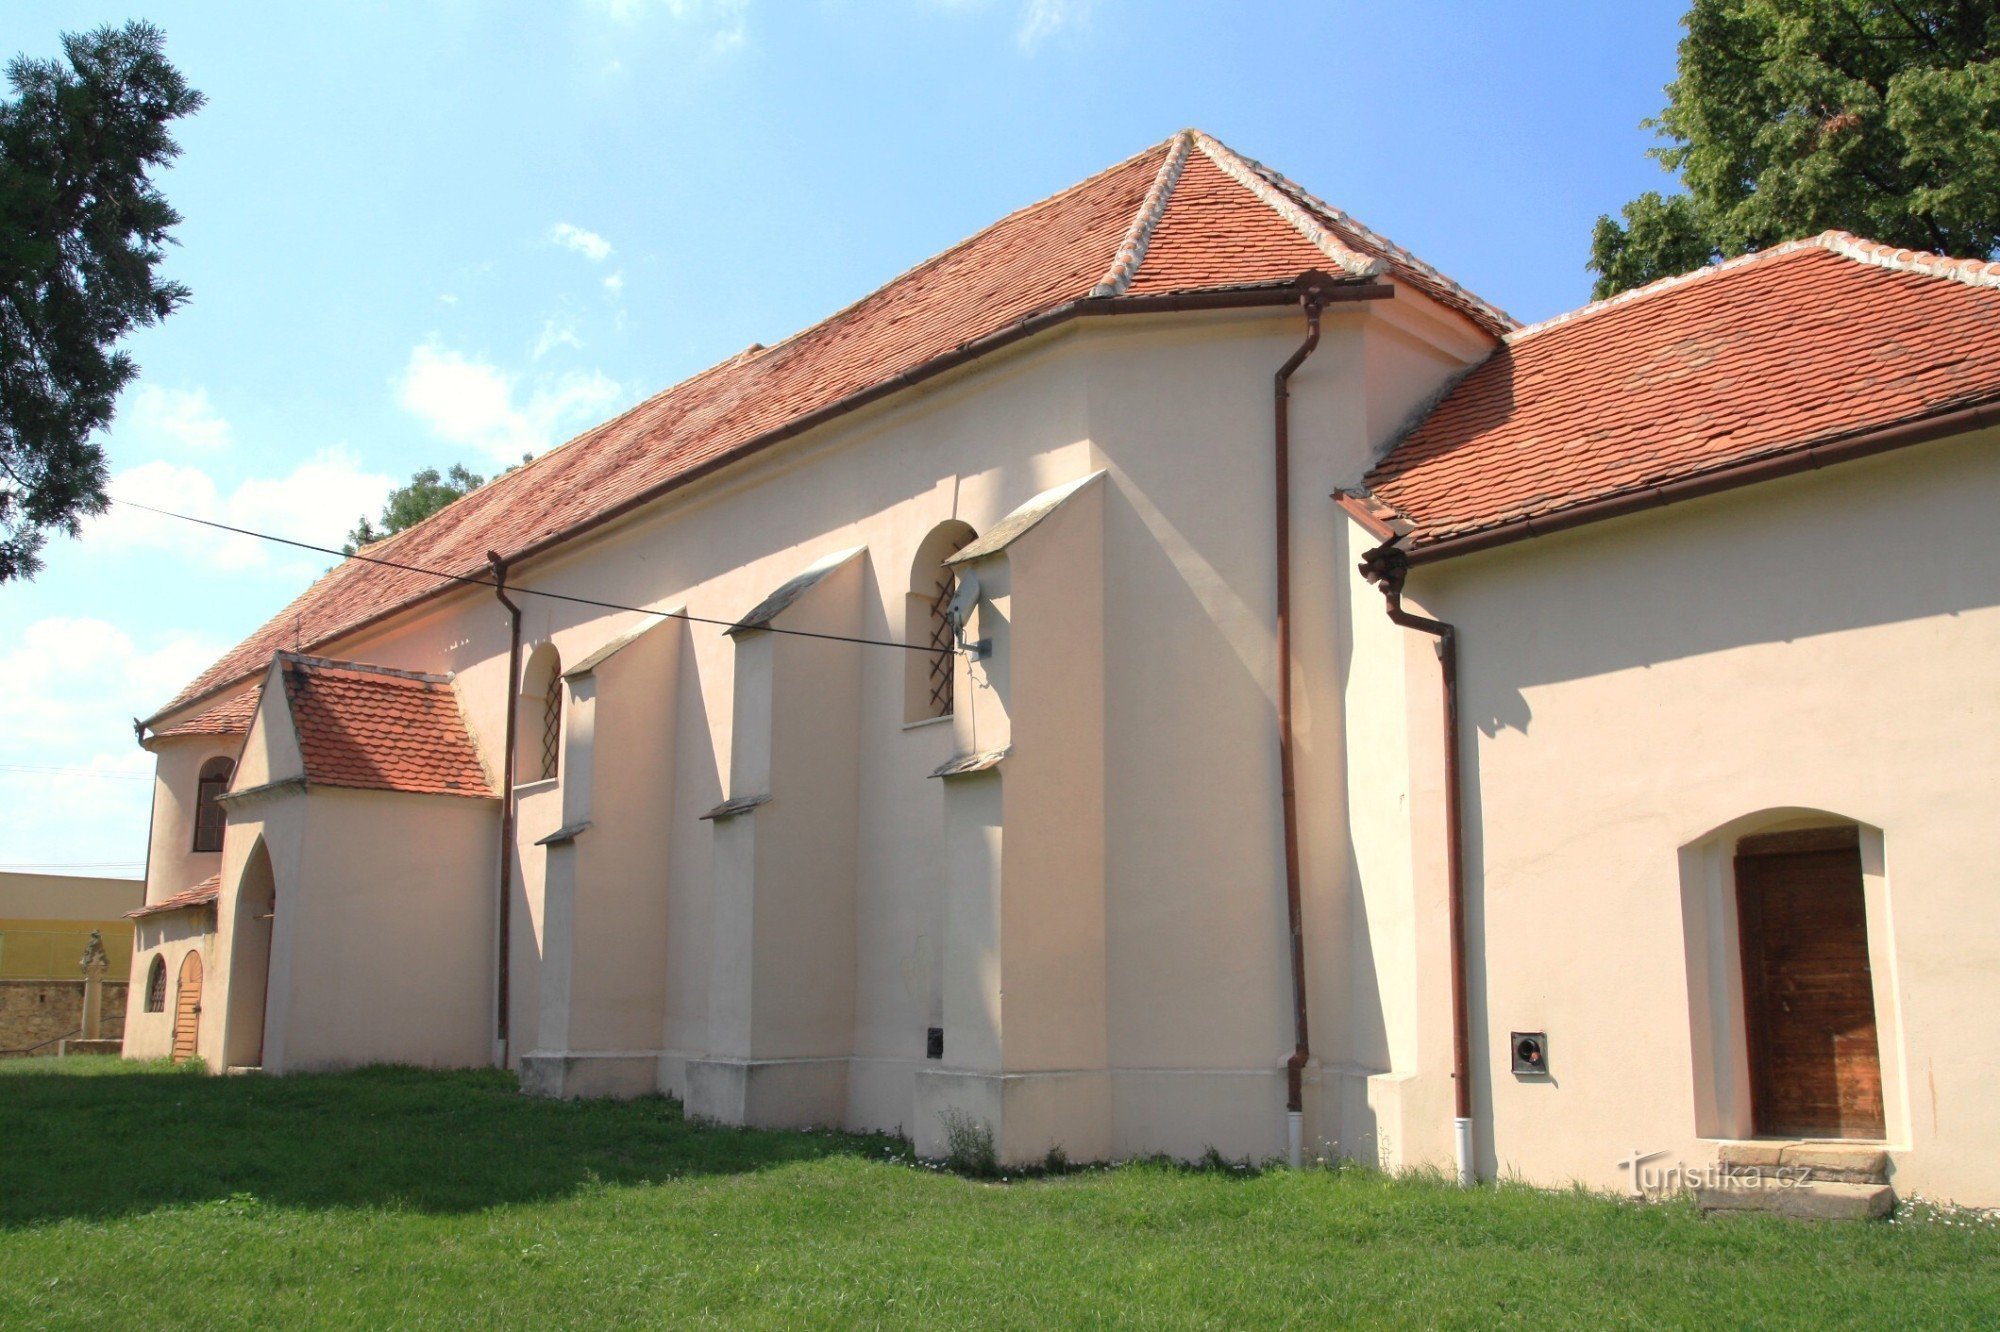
pixel 368 728
pixel 1187 215
pixel 1790 349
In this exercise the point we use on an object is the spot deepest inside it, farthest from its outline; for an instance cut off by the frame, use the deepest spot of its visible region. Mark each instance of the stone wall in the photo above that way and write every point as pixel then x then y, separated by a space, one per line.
pixel 34 1011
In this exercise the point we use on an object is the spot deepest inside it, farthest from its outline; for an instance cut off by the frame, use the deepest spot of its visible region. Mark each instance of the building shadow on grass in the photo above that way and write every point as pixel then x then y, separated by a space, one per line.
pixel 147 1137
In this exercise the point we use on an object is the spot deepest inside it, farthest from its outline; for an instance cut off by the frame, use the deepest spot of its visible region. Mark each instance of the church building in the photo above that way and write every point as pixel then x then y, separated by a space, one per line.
pixel 1174 670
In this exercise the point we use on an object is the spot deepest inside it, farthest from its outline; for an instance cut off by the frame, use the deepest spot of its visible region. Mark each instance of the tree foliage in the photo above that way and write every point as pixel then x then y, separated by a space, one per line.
pixel 409 505
pixel 1792 117
pixel 82 230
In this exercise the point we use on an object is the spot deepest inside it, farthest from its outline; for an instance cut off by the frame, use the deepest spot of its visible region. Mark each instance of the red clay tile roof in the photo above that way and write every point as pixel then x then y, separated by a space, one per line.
pixel 229 717
pixel 1773 353
pixel 202 894
pixel 1185 215
pixel 380 730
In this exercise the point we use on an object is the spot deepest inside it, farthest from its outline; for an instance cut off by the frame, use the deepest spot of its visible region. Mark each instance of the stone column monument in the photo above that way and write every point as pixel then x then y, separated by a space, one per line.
pixel 94 964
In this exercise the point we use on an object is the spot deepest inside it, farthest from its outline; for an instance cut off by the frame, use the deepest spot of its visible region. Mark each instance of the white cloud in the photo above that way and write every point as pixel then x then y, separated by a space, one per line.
pixel 586 243
pixel 72 685
pixel 1042 19
pixel 473 403
pixel 724 23
pixel 557 333
pixel 614 283
pixel 317 502
pixel 172 420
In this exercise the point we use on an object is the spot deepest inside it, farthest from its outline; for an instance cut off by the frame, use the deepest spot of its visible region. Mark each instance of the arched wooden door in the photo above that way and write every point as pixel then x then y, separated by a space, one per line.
pixel 187 1007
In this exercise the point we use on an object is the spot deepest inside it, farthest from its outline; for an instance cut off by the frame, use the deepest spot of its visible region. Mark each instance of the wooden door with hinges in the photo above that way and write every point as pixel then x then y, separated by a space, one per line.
pixel 1808 991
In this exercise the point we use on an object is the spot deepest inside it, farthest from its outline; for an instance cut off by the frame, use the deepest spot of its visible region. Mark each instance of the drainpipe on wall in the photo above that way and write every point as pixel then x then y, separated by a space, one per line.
pixel 1288 792
pixel 152 813
pixel 1386 566
pixel 499 567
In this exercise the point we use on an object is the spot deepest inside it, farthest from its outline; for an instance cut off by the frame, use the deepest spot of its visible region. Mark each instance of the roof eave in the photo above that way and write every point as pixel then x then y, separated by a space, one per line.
pixel 1766 467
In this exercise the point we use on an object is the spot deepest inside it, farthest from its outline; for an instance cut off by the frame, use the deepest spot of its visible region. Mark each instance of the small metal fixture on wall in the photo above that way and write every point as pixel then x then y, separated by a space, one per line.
pixel 1531 1053
pixel 960 610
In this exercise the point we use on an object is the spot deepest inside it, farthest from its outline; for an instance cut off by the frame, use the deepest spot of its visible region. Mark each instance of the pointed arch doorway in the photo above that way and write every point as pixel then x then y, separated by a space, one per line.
pixel 250 961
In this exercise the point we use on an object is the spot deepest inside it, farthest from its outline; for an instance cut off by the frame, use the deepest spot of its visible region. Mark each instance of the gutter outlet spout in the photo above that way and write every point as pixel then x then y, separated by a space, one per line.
pixel 1387 566
pixel 1313 299
pixel 502 966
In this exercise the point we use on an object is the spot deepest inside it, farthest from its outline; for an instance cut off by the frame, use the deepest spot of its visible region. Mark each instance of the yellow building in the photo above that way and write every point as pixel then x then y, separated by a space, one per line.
pixel 46 922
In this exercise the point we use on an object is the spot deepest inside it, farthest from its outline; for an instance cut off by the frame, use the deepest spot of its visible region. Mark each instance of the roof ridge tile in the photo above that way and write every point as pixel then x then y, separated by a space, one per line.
pixel 1132 250
pixel 1972 272
pixel 1238 169
pixel 312 663
pixel 1371 237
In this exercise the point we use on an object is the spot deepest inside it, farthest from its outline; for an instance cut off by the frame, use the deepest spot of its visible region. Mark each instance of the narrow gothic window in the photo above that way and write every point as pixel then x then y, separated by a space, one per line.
pixel 208 814
pixel 156 986
pixel 538 743
pixel 929 674
pixel 552 726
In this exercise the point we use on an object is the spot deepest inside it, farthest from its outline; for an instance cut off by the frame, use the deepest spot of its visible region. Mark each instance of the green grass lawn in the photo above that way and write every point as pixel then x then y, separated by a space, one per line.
pixel 145 1197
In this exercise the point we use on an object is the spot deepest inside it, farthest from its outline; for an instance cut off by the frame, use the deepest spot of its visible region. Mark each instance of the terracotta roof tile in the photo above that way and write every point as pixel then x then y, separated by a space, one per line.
pixel 1775 352
pixel 229 717
pixel 1177 217
pixel 374 729
pixel 202 894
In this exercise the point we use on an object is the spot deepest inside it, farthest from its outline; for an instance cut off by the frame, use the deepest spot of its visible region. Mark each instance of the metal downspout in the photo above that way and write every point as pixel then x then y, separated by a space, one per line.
pixel 502 966
pixel 1387 567
pixel 1287 785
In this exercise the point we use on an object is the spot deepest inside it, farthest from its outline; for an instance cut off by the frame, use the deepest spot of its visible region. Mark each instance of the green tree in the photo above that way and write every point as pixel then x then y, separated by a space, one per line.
pixel 1792 117
pixel 82 229
pixel 406 507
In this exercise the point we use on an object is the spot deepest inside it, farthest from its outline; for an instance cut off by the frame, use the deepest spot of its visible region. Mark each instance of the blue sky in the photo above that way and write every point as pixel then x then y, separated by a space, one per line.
pixel 439 231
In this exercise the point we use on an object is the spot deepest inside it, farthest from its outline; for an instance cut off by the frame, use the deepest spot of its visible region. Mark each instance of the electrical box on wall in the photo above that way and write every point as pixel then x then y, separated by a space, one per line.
pixel 1531 1052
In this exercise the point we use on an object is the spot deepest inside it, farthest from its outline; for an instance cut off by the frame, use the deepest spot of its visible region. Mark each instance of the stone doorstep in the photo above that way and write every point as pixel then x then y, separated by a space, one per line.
pixel 1814 1201
pixel 1822 1162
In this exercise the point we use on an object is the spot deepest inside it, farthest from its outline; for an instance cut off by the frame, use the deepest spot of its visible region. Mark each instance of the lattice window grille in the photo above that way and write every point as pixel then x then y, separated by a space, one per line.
pixel 552 729
pixel 941 673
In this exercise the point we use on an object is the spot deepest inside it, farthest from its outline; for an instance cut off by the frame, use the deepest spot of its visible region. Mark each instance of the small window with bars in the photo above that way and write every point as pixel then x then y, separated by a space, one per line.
pixel 538 735
pixel 931 673
pixel 156 986
pixel 551 752
pixel 942 675
pixel 209 817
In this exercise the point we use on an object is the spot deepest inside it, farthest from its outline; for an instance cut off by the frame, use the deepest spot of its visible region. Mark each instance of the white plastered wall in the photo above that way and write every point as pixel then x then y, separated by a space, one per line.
pixel 1177 412
pixel 1639 692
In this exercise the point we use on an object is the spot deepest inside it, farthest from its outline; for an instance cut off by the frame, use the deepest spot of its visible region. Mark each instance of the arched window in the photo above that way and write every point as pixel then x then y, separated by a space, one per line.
pixel 541 716
pixel 156 985
pixel 208 815
pixel 927 679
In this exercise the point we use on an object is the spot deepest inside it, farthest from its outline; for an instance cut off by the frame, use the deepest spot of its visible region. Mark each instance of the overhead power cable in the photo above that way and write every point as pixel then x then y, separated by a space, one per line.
pixel 77 772
pixel 471 580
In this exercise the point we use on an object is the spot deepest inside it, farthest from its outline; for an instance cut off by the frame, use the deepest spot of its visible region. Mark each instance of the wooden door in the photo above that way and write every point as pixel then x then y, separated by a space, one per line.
pixel 1808 994
pixel 187 1007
